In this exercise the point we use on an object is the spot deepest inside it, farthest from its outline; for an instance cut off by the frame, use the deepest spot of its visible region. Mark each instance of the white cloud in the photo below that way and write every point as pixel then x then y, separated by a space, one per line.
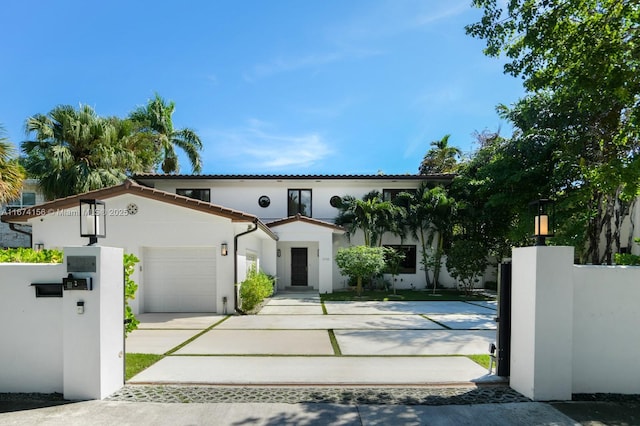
pixel 259 147
pixel 294 63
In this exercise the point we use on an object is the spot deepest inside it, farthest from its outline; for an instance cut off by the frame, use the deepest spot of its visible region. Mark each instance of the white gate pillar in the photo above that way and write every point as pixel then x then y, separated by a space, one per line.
pixel 92 320
pixel 542 322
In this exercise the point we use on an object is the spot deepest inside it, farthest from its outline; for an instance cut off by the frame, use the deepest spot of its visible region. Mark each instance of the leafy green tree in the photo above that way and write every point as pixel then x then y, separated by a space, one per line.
pixel 466 262
pixel 11 173
pixel 155 122
pixel 360 262
pixel 74 151
pixel 441 158
pixel 580 58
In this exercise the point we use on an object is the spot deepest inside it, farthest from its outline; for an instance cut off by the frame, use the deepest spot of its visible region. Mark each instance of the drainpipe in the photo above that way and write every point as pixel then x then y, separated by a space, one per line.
pixel 12 226
pixel 235 266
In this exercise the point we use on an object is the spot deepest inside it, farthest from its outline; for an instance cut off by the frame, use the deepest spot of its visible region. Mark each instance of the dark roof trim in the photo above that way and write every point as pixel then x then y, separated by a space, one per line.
pixel 305 219
pixel 130 187
pixel 443 176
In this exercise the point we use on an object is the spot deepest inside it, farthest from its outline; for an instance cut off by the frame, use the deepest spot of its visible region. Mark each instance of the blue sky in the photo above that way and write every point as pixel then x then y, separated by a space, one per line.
pixel 327 87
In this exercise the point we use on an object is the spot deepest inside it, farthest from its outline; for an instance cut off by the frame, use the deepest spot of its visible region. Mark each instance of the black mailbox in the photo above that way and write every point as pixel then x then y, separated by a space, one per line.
pixel 71 283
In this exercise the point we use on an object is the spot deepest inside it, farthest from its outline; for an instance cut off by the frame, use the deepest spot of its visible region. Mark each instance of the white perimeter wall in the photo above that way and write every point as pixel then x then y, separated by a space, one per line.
pixel 31 330
pixel 575 329
pixel 606 329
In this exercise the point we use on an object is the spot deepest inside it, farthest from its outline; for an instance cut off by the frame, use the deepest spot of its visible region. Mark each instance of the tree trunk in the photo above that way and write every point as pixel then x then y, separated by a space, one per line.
pixel 437 262
pixel 425 255
pixel 632 225
pixel 594 229
pixel 605 223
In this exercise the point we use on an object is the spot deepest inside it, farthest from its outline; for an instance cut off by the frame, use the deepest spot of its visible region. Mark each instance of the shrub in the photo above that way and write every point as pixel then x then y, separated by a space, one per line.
pixel 627 258
pixel 29 255
pixel 255 289
pixel 130 288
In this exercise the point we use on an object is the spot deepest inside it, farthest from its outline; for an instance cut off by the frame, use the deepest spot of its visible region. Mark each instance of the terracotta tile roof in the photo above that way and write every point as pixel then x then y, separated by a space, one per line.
pixel 442 176
pixel 131 187
pixel 305 219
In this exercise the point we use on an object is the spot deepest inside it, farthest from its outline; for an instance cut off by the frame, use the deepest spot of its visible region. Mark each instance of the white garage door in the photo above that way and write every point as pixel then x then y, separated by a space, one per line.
pixel 179 279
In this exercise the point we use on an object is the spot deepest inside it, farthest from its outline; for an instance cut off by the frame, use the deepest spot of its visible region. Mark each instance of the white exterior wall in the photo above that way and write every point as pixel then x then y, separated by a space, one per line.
pixel 243 194
pixel 318 241
pixel 31 331
pixel 156 224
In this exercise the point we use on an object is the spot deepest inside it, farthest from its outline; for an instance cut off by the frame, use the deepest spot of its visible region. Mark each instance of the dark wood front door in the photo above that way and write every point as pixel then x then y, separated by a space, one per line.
pixel 299 276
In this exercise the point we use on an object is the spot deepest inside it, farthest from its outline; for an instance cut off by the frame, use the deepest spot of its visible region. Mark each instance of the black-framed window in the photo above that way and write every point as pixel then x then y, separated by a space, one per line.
pixel 391 194
pixel 198 194
pixel 26 199
pixel 408 264
pixel 299 202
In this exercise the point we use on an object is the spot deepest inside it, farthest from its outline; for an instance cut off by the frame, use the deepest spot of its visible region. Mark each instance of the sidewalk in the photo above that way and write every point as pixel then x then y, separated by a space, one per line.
pixel 108 413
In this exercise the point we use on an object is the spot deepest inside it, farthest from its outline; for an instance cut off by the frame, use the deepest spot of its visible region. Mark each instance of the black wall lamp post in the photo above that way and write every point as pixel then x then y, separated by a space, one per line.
pixel 93 220
pixel 544 216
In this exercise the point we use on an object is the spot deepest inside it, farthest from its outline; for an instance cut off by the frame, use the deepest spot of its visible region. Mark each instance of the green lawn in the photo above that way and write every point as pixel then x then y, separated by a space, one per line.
pixel 483 360
pixel 135 363
pixel 401 295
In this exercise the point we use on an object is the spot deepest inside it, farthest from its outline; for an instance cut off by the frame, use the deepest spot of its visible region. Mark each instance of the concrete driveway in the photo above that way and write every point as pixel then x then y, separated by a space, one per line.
pixel 295 339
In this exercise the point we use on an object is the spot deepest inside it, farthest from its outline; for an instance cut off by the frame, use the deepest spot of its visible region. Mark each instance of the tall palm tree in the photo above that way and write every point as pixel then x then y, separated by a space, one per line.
pixel 441 158
pixel 11 173
pixel 74 151
pixel 428 217
pixel 155 121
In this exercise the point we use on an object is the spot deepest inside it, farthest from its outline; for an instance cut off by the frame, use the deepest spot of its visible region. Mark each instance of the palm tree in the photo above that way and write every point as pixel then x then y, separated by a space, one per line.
pixel 441 158
pixel 11 173
pixel 428 217
pixel 156 123
pixel 371 214
pixel 75 151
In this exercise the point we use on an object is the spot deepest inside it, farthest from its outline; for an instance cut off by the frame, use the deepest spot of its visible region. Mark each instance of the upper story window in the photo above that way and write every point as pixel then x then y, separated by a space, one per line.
pixel 26 199
pixel 198 194
pixel 299 202
pixel 391 194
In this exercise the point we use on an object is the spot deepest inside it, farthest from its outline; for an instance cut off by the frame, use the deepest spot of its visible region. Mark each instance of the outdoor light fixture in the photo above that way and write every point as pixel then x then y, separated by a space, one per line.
pixel 224 249
pixel 543 220
pixel 279 252
pixel 93 220
pixel 38 246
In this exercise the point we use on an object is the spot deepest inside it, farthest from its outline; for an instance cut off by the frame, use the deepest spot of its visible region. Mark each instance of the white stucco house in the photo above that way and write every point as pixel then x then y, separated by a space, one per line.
pixel 197 235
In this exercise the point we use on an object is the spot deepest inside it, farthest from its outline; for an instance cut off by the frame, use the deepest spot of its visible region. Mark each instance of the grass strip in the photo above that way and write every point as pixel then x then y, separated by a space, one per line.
pixel 135 363
pixel 324 309
pixel 404 295
pixel 334 343
pixel 482 360
pixel 186 342
pixel 437 322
